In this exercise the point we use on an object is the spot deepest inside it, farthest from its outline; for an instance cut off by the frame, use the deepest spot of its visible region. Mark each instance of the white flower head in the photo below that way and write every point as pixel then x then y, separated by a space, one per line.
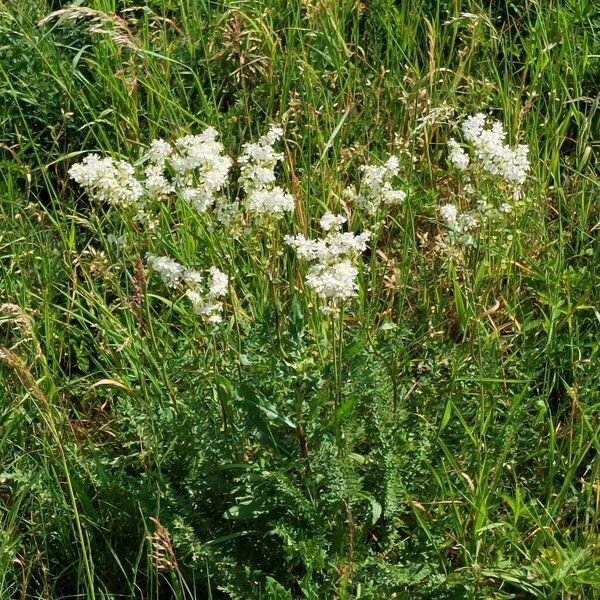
pixel 473 126
pixel 206 300
pixel 272 201
pixel 332 276
pixel 376 186
pixel 258 162
pixel 203 306
pixel 218 284
pixel 191 278
pixel 109 180
pixel 156 182
pixel 460 226
pixel 491 150
pixel 201 167
pixel 334 281
pixel 449 212
pixel 331 222
pixel 169 270
pixel 198 198
pixel 457 155
pixel 159 151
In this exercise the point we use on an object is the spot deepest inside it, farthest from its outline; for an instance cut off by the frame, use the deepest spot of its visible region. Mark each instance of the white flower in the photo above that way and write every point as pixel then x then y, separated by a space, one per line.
pixel 457 156
pixel 202 168
pixel 449 212
pixel 108 180
pixel 376 186
pixel 473 126
pixel 346 243
pixel 201 173
pixel 204 307
pixel 392 166
pixel 191 277
pixel 218 284
pixel 207 305
pixel 329 222
pixel 261 153
pixel 495 156
pixel 305 248
pixel 391 196
pixel 198 198
pixel 258 162
pixel 333 281
pixel 330 248
pixel 156 183
pixel 459 225
pixel 159 151
pixel 202 152
pixel 270 201
pixel 169 270
pixel 273 135
pixel 205 302
pixel 332 275
pixel 466 222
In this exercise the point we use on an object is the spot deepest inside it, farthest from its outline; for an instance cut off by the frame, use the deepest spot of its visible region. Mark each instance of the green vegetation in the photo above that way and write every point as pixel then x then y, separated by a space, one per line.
pixel 438 438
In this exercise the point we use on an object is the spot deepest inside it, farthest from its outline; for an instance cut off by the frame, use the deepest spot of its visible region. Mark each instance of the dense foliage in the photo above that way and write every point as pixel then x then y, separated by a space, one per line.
pixel 433 433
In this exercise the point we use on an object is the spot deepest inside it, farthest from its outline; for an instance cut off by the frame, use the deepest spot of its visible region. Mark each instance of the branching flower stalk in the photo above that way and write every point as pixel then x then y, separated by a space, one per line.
pixel 332 276
pixel 486 157
pixel 268 203
pixel 337 350
pixel 375 192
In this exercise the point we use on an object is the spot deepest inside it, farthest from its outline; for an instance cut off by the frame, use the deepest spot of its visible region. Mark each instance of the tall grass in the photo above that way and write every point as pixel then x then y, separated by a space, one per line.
pixel 439 439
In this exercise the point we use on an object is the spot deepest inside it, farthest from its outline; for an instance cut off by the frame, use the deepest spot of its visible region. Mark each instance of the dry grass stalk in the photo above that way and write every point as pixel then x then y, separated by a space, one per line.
pixel 18 365
pixel 162 553
pixel 12 313
pixel 111 25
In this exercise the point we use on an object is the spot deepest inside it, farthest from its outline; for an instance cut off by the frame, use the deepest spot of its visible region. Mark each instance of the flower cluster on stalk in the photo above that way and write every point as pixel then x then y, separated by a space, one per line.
pixel 333 272
pixel 205 294
pixel 110 180
pixel 487 141
pixel 196 169
pixel 258 162
pixel 490 154
pixel 376 187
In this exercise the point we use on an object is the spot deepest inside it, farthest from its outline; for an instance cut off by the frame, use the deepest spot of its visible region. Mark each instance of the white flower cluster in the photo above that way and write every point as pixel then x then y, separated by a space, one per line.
pixel 491 150
pixel 258 162
pixel 333 272
pixel 108 180
pixel 491 153
pixel 194 167
pixel 376 187
pixel 169 270
pixel 157 184
pixel 457 155
pixel 202 170
pixel 207 302
pixel 460 224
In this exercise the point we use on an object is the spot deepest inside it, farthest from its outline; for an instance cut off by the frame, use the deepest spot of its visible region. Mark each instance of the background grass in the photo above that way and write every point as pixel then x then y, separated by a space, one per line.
pixel 457 457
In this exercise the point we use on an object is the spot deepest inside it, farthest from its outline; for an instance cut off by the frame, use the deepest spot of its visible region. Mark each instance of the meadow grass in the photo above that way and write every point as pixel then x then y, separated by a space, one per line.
pixel 437 438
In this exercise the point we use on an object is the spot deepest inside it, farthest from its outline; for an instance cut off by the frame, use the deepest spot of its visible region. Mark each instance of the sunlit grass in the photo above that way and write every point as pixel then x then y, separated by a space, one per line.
pixel 435 438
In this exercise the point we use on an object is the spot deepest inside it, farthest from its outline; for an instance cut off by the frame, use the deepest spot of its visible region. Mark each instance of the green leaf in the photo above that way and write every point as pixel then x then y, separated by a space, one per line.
pixel 447 415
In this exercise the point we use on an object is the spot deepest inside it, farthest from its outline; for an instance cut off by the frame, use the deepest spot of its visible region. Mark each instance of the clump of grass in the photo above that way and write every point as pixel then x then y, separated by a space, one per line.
pixel 431 433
